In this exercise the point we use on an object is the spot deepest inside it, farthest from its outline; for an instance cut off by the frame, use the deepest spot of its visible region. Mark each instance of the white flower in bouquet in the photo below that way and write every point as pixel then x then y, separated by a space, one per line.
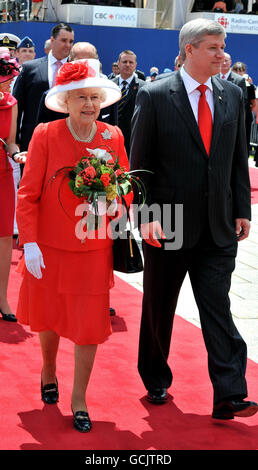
pixel 100 153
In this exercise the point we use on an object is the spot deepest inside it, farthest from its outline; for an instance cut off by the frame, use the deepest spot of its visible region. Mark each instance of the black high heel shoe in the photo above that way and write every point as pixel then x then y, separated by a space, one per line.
pixel 49 393
pixel 81 421
pixel 8 316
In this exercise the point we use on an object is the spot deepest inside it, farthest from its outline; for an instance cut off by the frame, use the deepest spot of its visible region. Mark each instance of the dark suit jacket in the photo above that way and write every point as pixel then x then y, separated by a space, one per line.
pixel 164 75
pixel 108 114
pixel 238 80
pixel 124 122
pixel 28 90
pixel 166 140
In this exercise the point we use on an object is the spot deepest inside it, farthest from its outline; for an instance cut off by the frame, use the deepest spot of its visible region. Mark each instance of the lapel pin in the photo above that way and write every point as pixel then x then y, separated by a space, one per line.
pixel 106 134
pixel 220 98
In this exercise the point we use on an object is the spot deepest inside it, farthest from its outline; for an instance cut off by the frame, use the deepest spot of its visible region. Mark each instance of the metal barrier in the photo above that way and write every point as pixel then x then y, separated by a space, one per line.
pixel 14 10
pixel 254 132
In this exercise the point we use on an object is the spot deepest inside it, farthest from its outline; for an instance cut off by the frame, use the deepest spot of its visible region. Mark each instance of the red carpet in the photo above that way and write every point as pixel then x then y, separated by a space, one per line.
pixel 254 184
pixel 121 417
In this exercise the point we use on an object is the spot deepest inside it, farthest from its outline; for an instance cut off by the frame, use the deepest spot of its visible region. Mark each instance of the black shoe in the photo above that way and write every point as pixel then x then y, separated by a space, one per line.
pixel 8 316
pixel 49 393
pixel 157 396
pixel 81 421
pixel 112 311
pixel 228 409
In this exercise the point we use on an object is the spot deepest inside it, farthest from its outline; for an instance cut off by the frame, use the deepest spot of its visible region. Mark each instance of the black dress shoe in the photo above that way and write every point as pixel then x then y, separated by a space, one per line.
pixel 112 311
pixel 157 396
pixel 228 409
pixel 81 421
pixel 49 393
pixel 8 316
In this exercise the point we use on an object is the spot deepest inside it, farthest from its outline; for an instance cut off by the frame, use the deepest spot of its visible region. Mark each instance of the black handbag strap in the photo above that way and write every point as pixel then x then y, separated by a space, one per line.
pixel 127 211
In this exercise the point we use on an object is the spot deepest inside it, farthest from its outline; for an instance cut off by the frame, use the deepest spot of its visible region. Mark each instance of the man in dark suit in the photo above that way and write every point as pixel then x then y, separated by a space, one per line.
pixel 129 84
pixel 36 77
pixel 228 74
pixel 193 140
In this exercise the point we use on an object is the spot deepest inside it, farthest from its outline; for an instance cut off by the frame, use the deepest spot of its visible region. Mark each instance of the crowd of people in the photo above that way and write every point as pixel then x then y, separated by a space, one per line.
pixel 227 6
pixel 32 10
pixel 189 129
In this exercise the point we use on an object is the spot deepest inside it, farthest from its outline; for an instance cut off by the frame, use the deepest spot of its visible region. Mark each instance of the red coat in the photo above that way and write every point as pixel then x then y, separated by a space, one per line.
pixel 40 215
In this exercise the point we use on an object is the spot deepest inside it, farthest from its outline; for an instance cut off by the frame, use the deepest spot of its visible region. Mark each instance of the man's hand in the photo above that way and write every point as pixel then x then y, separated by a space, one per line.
pixel 242 228
pixel 152 232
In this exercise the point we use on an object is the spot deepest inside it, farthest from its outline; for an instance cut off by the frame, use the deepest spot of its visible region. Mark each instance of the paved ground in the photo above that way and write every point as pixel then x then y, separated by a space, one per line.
pixel 243 294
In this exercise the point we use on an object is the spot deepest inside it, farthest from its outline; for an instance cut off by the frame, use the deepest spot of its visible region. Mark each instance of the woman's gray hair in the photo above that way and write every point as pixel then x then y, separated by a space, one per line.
pixel 62 97
pixel 194 31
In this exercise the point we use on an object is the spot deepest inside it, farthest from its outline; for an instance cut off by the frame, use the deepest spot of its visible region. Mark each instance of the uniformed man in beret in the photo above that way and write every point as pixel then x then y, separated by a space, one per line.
pixel 11 41
pixel 26 50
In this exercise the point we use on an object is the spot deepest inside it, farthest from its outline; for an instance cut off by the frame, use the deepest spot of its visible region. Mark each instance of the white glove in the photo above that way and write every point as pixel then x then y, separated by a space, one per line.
pixel 20 157
pixel 33 259
pixel 112 208
pixel 102 208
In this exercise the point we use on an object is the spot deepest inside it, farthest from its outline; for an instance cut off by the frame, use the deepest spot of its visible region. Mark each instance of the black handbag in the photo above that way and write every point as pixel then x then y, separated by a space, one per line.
pixel 126 253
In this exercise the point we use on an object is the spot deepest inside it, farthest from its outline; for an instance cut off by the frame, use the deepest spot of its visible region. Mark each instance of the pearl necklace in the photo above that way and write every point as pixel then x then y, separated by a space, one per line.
pixel 89 138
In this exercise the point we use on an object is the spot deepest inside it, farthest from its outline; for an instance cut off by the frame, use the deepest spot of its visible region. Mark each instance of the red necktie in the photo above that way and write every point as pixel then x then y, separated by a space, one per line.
pixel 58 64
pixel 204 119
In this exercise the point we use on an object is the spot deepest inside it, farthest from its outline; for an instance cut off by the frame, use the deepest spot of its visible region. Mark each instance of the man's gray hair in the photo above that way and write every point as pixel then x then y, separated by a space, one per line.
pixel 193 32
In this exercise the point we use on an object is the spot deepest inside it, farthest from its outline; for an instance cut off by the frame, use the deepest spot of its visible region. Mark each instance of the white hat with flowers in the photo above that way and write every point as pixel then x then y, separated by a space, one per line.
pixel 83 73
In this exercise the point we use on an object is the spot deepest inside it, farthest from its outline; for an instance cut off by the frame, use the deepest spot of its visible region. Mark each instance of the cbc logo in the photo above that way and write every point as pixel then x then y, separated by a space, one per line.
pixel 104 16
pixel 117 17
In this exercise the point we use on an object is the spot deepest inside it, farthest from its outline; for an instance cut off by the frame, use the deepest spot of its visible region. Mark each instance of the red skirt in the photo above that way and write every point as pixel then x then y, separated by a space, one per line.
pixel 7 202
pixel 72 298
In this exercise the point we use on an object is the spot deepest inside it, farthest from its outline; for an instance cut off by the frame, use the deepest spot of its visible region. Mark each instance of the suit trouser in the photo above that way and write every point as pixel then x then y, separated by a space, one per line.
pixel 210 269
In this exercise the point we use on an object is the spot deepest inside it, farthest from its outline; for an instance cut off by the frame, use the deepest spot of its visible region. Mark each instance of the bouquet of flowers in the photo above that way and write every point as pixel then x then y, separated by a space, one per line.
pixel 99 176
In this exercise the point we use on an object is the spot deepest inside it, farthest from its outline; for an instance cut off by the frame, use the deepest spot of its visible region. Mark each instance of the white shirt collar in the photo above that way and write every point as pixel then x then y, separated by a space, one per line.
pixel 128 80
pixel 190 83
pixel 52 59
pixel 226 75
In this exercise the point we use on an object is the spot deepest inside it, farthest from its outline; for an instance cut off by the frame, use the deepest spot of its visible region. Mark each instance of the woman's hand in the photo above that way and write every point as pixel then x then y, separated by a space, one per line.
pixel 20 157
pixel 33 259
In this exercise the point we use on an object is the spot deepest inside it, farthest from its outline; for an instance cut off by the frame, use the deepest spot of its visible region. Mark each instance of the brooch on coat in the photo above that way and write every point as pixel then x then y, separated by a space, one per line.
pixel 106 134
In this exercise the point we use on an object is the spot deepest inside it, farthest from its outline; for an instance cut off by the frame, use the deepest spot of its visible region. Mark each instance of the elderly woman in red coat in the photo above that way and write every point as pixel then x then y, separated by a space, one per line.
pixel 65 289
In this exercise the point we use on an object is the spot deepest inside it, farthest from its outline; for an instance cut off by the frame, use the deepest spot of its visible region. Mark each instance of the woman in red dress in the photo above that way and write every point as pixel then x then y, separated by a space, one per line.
pixel 66 283
pixel 8 116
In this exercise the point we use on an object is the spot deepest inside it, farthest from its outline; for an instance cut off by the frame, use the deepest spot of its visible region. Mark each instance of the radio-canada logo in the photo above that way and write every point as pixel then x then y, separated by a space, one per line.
pixel 223 21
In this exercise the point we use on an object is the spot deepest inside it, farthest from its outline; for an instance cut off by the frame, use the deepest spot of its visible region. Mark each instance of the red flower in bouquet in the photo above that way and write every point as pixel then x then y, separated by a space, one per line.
pixel 90 171
pixel 71 72
pixel 105 178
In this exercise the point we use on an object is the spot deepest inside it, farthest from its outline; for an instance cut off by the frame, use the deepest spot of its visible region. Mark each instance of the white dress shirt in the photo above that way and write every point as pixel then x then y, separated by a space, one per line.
pixel 51 67
pixel 128 81
pixel 225 75
pixel 194 94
